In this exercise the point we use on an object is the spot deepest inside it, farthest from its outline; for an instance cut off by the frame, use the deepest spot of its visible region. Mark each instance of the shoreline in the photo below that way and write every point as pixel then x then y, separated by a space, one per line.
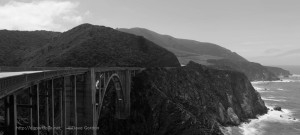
pixel 262 124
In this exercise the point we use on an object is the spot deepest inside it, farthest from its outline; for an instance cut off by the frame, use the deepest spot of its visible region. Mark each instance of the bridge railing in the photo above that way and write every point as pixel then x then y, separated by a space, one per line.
pixel 18 69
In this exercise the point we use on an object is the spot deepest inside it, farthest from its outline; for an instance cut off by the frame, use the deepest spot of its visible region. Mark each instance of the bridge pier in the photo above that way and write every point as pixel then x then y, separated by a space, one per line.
pixel 11 114
pixel 52 116
pixel 36 107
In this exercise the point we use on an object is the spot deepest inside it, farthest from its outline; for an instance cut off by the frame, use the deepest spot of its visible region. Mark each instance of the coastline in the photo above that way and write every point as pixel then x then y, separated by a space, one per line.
pixel 257 126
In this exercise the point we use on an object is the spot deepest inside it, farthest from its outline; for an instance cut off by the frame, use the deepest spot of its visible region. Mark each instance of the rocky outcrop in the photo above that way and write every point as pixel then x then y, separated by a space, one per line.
pixel 277 108
pixel 191 100
pixel 254 71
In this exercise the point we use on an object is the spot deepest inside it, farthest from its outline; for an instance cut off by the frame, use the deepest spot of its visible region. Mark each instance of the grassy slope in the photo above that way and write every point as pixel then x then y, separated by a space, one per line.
pixel 90 45
pixel 14 45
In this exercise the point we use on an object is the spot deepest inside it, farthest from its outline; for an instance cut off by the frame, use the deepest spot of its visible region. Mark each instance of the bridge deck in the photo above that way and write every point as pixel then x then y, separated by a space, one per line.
pixel 9 82
pixel 9 74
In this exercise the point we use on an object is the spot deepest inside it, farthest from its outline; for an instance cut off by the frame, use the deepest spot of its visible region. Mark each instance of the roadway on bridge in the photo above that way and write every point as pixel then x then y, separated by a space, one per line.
pixel 8 74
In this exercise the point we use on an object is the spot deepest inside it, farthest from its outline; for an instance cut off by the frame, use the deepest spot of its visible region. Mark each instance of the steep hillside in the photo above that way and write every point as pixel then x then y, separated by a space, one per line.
pixel 191 100
pixel 89 45
pixel 187 50
pixel 254 71
pixel 14 45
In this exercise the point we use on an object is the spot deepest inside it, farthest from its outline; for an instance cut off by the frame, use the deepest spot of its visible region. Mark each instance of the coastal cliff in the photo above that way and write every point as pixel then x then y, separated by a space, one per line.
pixel 188 100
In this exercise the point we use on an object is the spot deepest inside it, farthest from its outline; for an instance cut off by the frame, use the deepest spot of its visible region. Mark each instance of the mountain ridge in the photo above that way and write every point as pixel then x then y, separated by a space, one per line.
pixel 208 54
pixel 190 47
pixel 90 45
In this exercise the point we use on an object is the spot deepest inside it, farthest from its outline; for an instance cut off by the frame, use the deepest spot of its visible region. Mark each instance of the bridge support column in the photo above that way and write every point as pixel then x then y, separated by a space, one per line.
pixel 92 87
pixel 70 105
pixel 64 114
pixel 74 104
pixel 127 92
pixel 86 104
pixel 52 115
pixel 31 108
pixel 11 114
pixel 36 108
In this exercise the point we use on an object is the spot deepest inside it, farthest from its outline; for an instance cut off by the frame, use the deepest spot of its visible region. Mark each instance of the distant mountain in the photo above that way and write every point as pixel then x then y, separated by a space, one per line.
pixel 254 71
pixel 207 54
pixel 187 50
pixel 15 44
pixel 89 45
pixel 279 71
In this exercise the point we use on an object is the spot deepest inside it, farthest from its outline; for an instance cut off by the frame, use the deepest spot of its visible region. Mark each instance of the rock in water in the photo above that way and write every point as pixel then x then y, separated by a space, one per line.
pixel 277 108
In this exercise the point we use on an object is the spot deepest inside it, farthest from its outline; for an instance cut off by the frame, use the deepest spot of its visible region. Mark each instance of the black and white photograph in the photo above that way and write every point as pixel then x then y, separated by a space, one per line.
pixel 149 67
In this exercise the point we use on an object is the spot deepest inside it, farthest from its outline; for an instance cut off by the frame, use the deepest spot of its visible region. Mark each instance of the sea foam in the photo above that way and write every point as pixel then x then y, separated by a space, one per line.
pixel 256 126
pixel 273 99
pixel 259 89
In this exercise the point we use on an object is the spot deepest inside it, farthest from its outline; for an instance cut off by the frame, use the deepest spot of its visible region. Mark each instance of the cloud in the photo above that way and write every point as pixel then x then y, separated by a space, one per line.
pixel 272 51
pixel 290 53
pixel 39 15
pixel 255 43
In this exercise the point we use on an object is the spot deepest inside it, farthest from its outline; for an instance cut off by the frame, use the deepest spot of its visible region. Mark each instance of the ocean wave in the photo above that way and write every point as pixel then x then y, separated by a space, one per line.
pixel 259 82
pixel 277 81
pixel 259 89
pixel 295 75
pixel 273 99
pixel 283 81
pixel 256 126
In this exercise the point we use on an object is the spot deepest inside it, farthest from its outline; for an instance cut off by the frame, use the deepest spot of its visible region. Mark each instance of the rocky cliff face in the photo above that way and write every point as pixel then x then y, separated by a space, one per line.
pixel 191 100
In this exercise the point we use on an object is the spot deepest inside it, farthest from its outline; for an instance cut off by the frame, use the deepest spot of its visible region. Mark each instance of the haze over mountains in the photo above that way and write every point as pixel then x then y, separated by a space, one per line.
pixel 208 54
pixel 187 50
pixel 89 45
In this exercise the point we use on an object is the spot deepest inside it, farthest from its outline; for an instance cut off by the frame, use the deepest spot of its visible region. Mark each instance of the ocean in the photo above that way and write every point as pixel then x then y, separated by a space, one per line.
pixel 284 93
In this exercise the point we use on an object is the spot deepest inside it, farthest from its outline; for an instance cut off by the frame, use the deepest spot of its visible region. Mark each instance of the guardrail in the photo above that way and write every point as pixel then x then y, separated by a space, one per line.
pixel 18 69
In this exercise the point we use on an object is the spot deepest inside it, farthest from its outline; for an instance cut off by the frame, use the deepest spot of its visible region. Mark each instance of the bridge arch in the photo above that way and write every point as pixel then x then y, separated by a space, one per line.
pixel 112 103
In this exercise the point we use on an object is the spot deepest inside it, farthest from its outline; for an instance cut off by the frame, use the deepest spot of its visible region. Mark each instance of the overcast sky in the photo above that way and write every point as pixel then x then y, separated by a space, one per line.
pixel 264 31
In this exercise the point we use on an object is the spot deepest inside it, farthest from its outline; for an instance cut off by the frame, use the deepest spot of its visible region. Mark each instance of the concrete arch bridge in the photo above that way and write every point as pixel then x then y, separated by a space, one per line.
pixel 62 100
